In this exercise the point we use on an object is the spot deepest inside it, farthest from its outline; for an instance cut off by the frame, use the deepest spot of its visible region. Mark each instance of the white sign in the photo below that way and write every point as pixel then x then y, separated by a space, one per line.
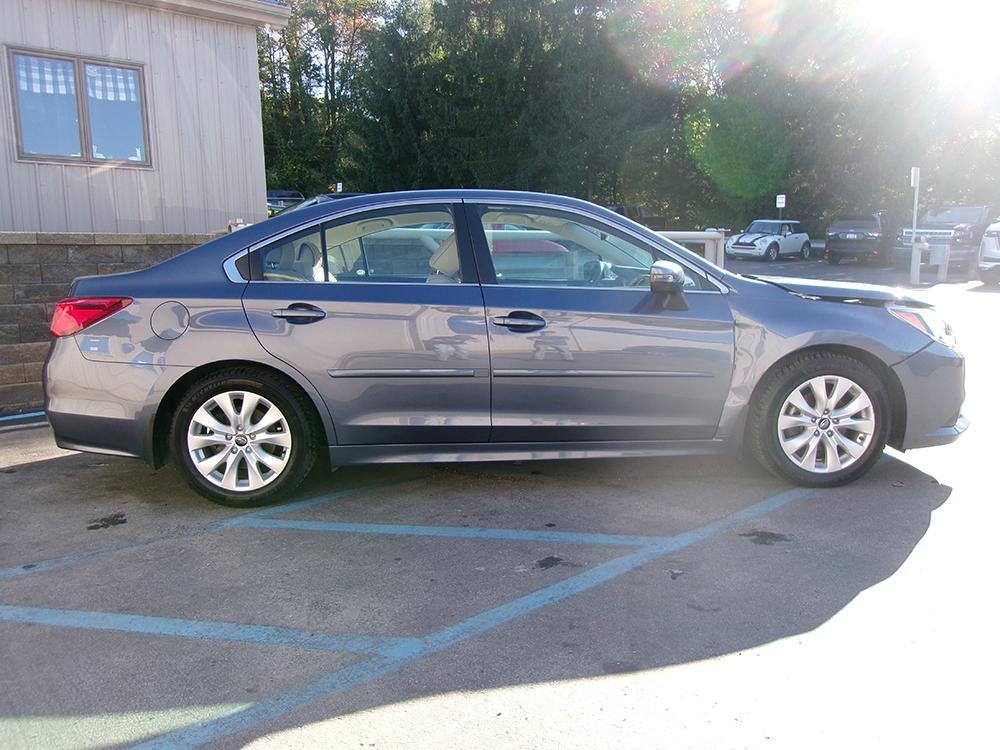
pixel 340 187
pixel 779 201
pixel 914 177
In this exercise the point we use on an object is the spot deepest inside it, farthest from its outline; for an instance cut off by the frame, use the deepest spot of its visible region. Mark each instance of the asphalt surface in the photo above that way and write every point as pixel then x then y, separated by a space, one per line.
pixel 681 603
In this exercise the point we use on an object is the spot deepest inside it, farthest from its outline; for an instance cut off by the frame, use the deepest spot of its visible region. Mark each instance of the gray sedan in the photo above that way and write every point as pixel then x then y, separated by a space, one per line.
pixel 485 325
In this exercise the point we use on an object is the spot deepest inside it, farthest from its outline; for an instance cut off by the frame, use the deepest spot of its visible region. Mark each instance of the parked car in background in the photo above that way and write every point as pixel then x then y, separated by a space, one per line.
pixel 961 227
pixel 471 325
pixel 321 198
pixel 859 238
pixel 769 239
pixel 279 200
pixel 989 254
pixel 641 215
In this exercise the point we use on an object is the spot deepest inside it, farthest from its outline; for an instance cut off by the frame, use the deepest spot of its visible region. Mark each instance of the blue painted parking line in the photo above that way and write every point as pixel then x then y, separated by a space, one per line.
pixel 455 532
pixel 205 630
pixel 363 672
pixel 61 562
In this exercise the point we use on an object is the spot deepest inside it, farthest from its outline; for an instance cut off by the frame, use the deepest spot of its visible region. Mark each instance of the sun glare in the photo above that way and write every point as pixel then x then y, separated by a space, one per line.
pixel 958 36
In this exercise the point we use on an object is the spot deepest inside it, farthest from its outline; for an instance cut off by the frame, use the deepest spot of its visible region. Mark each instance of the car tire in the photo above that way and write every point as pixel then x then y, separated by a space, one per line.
pixel 805 251
pixel 251 467
pixel 833 259
pixel 771 254
pixel 776 424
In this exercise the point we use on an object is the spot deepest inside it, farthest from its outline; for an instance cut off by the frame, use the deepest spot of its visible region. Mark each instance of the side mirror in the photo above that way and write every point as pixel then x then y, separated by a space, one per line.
pixel 666 277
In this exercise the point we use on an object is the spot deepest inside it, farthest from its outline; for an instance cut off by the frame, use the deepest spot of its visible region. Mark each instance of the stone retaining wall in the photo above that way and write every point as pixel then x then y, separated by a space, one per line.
pixel 36 270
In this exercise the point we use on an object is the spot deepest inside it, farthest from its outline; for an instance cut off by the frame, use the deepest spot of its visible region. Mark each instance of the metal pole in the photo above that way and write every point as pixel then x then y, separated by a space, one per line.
pixel 915 253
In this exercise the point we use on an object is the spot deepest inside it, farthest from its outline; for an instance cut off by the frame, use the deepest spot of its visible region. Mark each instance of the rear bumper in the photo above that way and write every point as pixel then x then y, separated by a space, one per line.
pixel 933 383
pixel 102 407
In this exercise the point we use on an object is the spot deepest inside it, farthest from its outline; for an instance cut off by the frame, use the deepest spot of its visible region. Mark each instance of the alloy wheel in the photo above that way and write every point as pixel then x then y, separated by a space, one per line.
pixel 826 424
pixel 239 441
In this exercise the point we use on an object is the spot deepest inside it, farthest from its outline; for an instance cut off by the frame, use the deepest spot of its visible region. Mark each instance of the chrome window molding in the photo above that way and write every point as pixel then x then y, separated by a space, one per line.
pixel 659 243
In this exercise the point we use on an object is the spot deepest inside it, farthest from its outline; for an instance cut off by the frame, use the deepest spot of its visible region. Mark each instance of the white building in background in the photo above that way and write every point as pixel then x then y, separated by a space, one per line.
pixel 131 116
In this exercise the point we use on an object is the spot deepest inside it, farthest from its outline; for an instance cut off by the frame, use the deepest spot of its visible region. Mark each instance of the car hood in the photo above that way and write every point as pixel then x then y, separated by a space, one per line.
pixel 838 291
pixel 751 237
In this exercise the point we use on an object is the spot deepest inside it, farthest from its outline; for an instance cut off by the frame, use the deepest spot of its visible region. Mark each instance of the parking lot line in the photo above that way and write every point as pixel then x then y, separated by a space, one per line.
pixel 60 562
pixel 263 635
pixel 460 532
pixel 365 671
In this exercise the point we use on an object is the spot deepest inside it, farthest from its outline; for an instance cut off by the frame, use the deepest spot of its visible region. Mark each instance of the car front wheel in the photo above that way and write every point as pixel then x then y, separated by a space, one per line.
pixel 243 438
pixel 771 253
pixel 820 420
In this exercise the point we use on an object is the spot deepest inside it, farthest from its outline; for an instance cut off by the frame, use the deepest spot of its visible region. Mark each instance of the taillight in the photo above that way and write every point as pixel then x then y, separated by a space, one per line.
pixel 76 313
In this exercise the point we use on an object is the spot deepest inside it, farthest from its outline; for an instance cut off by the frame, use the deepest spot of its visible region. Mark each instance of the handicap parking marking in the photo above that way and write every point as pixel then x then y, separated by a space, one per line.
pixel 262 635
pixel 60 562
pixel 448 636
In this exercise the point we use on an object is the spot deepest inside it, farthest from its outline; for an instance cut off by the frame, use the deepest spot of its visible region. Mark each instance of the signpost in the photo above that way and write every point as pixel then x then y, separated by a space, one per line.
pixel 915 250
pixel 779 202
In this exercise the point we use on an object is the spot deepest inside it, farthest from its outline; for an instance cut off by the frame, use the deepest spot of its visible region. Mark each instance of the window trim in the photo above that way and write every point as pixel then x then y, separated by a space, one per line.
pixel 462 203
pixel 79 63
pixel 252 252
pixel 489 277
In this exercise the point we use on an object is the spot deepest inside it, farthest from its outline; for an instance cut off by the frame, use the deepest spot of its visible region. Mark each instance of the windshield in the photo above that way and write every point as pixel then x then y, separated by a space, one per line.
pixel 765 227
pixel 955 215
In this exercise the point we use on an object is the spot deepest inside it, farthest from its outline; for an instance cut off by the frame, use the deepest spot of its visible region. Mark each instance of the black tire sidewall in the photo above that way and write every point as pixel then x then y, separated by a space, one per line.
pixel 303 440
pixel 832 364
pixel 772 256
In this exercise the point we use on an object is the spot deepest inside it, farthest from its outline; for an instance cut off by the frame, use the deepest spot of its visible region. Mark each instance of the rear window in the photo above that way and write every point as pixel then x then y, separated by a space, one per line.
pixel 865 223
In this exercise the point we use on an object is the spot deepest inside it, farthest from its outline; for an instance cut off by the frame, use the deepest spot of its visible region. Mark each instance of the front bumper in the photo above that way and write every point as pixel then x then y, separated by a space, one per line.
pixel 959 252
pixel 933 382
pixel 745 252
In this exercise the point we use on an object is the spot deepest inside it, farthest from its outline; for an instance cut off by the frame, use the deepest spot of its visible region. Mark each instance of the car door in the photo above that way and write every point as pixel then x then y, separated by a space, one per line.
pixel 580 348
pixel 786 240
pixel 382 311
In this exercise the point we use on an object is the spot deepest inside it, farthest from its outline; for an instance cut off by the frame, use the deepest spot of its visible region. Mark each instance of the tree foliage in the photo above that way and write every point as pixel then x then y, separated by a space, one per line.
pixel 695 109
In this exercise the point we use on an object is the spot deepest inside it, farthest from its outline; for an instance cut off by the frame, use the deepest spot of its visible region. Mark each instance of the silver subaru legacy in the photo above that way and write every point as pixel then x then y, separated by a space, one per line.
pixel 478 325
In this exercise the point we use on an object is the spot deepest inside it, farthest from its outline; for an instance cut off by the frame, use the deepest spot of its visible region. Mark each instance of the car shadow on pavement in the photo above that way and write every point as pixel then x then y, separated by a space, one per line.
pixel 741 584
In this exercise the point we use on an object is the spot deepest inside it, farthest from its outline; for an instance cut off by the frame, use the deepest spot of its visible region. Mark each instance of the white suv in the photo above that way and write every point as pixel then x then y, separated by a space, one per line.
pixel 769 239
pixel 989 254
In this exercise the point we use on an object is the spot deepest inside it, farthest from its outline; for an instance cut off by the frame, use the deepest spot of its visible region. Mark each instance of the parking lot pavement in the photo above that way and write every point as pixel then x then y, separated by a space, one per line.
pixel 633 603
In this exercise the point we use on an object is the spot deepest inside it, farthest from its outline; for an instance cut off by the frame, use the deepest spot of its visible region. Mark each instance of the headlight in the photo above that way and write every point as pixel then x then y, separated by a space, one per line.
pixel 760 242
pixel 926 319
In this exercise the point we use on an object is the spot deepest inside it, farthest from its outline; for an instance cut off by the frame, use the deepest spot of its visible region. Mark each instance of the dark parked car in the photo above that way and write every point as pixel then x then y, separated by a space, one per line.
pixel 279 200
pixel 960 227
pixel 470 325
pixel 860 238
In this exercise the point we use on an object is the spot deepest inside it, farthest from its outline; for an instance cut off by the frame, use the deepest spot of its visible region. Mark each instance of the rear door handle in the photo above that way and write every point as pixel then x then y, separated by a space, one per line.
pixel 299 313
pixel 520 320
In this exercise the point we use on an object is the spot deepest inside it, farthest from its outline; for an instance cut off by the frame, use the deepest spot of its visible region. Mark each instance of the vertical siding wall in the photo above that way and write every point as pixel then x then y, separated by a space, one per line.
pixel 203 101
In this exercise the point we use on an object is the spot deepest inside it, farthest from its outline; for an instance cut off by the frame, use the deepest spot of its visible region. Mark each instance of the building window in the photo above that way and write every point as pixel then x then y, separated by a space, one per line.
pixel 79 110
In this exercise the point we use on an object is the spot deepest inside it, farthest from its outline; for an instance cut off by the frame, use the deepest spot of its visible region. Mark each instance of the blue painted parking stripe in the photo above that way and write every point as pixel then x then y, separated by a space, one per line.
pixel 264 635
pixel 26 416
pixel 363 672
pixel 60 562
pixel 458 532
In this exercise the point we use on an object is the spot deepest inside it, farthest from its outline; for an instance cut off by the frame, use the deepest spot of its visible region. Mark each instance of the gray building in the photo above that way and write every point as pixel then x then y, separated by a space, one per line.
pixel 129 130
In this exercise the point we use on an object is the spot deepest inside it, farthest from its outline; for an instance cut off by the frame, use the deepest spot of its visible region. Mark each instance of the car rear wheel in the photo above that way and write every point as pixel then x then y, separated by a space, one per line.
pixel 833 259
pixel 820 420
pixel 243 438
pixel 806 250
pixel 771 253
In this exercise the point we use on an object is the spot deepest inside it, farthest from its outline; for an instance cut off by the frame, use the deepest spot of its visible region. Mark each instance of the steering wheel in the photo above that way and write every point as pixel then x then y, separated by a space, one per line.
pixel 593 272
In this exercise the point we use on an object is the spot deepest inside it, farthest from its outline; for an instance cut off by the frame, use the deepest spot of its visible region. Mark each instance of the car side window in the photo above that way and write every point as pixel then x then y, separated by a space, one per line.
pixel 541 247
pixel 298 257
pixel 413 246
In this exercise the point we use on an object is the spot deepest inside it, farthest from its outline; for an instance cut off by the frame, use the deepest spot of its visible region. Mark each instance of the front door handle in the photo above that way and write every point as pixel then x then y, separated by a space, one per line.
pixel 520 320
pixel 299 313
